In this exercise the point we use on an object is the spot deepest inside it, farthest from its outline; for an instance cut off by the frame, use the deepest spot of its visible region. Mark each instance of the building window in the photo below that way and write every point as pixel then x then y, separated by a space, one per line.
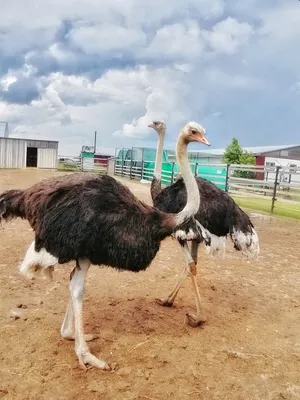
pixel 270 166
pixel 293 167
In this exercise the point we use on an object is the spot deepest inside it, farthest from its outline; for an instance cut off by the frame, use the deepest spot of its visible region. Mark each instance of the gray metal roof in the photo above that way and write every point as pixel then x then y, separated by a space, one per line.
pixel 29 140
pixel 255 150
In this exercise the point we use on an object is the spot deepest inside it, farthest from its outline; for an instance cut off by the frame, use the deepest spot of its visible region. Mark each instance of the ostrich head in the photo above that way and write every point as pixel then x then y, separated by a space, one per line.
pixel 158 126
pixel 193 132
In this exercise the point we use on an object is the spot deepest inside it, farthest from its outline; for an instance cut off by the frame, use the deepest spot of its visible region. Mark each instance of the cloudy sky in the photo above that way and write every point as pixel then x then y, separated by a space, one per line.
pixel 68 68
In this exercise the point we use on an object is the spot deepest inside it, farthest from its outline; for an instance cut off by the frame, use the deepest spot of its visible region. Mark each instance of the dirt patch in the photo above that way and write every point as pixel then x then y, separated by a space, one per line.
pixel 249 347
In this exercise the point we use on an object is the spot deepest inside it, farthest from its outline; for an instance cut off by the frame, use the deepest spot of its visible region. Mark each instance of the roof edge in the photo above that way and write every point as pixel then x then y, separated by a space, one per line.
pixel 28 139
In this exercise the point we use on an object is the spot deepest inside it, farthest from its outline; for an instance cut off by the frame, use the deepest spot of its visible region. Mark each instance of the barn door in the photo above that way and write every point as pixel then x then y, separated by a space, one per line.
pixel 31 157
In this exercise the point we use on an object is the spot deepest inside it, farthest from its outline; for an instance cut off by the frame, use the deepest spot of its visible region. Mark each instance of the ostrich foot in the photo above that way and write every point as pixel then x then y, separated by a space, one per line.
pixel 88 337
pixel 164 303
pixel 89 359
pixel 195 320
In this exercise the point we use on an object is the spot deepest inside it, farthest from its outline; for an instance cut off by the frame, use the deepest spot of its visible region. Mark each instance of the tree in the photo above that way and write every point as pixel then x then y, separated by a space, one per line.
pixel 234 154
pixel 248 158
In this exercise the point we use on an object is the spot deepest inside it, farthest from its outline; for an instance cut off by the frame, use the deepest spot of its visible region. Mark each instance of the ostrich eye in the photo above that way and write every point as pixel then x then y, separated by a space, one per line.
pixel 193 131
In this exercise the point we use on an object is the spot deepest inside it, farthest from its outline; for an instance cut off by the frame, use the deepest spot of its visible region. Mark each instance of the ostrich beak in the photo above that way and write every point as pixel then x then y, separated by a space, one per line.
pixel 203 140
pixel 150 126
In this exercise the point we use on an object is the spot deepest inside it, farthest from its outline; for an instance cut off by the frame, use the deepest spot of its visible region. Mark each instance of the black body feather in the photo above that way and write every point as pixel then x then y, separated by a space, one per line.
pixel 218 213
pixel 93 217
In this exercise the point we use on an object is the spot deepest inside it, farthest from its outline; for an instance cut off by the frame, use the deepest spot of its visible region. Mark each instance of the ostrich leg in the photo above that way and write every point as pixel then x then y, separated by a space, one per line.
pixel 168 302
pixel 67 327
pixel 77 292
pixel 191 261
pixel 194 250
pixel 199 318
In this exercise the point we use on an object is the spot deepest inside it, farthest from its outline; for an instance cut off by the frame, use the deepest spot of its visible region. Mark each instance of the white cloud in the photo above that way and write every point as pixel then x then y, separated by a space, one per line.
pixel 104 38
pixel 228 35
pixel 220 79
pixel 159 105
pixel 7 80
pixel 164 98
pixel 282 23
pixel 115 66
pixel 178 41
pixel 131 13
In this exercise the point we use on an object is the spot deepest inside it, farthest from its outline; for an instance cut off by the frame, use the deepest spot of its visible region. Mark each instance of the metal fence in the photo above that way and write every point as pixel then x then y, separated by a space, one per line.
pixel 262 188
pixel 81 164
pixel 259 187
pixel 143 170
pixel 270 187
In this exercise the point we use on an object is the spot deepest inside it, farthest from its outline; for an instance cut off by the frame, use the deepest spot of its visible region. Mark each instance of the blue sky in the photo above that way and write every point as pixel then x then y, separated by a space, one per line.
pixel 70 68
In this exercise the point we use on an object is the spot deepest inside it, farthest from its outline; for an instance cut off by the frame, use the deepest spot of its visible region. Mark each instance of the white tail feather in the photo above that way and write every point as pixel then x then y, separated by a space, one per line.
pixel 36 262
pixel 183 235
pixel 217 244
pixel 248 242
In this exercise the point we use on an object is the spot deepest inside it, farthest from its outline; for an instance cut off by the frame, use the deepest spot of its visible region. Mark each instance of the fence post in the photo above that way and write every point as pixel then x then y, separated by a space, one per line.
pixel 142 170
pixel 116 161
pixel 172 174
pixel 130 169
pixel 275 189
pixel 227 178
pixel 196 170
pixel 122 161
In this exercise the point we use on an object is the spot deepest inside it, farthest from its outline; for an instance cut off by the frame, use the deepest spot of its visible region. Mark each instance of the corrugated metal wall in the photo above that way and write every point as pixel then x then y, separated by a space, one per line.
pixel 41 144
pixel 12 153
pixel 47 158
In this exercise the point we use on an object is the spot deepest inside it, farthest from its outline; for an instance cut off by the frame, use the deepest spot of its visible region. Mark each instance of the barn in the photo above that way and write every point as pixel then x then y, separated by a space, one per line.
pixel 22 153
pixel 283 156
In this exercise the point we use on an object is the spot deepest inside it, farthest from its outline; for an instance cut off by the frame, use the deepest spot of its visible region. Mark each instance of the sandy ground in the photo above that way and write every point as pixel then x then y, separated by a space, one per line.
pixel 249 347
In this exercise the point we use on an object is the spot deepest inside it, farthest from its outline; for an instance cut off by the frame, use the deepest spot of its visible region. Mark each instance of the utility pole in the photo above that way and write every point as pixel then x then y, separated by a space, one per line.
pixel 6 128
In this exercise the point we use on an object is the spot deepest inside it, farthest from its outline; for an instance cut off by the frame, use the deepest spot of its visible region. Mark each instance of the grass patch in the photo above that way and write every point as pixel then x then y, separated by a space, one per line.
pixel 67 167
pixel 282 208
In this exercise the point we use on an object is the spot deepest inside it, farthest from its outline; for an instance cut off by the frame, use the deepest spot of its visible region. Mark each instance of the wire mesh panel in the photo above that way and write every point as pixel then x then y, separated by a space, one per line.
pixel 77 164
pixel 215 173
pixel 121 163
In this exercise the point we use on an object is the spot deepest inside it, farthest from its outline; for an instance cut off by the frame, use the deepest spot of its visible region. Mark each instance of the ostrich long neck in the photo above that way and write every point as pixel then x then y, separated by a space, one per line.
pixel 193 196
pixel 156 181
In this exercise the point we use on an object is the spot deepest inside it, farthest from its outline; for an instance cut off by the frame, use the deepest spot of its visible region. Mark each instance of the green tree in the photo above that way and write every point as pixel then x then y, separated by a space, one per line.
pixel 247 158
pixel 234 154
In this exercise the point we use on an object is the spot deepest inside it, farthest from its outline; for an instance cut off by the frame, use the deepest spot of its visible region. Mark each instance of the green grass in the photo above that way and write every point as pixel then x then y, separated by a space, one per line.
pixel 282 208
pixel 67 167
pixel 73 168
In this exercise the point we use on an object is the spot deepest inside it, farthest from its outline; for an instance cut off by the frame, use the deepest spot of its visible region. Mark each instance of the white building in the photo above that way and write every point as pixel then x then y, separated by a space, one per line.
pixel 286 156
pixel 289 152
pixel 22 153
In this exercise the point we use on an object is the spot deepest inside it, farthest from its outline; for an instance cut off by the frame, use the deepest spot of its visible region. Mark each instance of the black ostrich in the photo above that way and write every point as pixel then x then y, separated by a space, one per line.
pixel 217 217
pixel 95 220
